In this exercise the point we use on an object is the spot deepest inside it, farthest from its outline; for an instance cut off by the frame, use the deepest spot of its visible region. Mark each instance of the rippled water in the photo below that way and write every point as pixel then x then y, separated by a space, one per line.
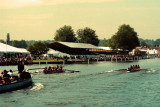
pixel 100 84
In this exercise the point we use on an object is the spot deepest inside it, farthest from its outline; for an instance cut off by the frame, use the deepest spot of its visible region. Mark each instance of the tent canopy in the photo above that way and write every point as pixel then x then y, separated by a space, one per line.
pixel 4 48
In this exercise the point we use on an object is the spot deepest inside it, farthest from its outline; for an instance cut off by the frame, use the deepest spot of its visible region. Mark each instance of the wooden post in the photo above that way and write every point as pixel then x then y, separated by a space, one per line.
pixel 116 58
pixel 39 61
pixel 88 60
pixel 46 62
pixel 64 61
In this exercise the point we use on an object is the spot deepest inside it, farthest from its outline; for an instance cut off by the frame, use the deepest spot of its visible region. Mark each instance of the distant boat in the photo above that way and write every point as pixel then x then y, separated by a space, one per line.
pixel 61 71
pixel 15 85
pixel 135 70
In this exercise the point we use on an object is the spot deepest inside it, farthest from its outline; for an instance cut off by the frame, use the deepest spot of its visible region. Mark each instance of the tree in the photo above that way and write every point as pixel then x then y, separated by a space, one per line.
pixel 147 42
pixel 87 35
pixel 18 44
pixel 143 43
pixel 107 43
pixel 8 38
pixel 2 41
pixel 126 38
pixel 157 42
pixel 65 34
pixel 38 48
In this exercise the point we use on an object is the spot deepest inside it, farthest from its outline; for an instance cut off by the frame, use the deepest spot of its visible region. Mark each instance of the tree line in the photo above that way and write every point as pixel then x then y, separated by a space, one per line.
pixel 85 35
pixel 125 38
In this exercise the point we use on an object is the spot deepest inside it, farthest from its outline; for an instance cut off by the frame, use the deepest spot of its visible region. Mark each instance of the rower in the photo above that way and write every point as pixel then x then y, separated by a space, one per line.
pixel 128 69
pixel 45 70
pixel 60 68
pixel 136 66
pixel 57 67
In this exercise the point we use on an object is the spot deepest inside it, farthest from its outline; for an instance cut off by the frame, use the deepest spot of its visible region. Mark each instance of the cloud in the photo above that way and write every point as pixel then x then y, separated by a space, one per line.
pixel 22 3
pixel 26 20
pixel 55 2
pixel 18 3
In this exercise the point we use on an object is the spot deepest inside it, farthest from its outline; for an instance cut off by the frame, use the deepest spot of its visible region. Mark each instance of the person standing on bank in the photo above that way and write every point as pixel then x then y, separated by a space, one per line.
pixel 20 67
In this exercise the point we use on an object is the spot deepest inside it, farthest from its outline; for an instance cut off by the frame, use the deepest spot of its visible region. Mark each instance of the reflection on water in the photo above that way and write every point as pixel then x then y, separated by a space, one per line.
pixel 101 84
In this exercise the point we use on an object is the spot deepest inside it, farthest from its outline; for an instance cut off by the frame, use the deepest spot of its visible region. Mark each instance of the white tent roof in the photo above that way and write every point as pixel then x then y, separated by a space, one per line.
pixel 106 48
pixel 56 53
pixel 7 48
pixel 51 51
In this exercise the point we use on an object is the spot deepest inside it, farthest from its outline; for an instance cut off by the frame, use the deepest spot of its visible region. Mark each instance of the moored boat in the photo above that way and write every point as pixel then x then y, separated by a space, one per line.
pixel 15 85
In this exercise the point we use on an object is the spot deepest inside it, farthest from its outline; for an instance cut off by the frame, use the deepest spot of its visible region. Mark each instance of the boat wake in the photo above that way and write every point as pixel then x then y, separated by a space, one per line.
pixel 151 71
pixel 119 70
pixel 110 71
pixel 37 87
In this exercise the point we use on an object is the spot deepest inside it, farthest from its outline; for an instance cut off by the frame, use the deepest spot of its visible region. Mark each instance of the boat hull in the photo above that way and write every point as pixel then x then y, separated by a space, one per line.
pixel 15 85
pixel 54 72
pixel 135 70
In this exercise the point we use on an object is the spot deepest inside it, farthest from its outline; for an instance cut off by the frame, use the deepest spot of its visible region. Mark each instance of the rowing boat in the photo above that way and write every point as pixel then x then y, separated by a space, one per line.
pixel 61 71
pixel 15 85
pixel 134 70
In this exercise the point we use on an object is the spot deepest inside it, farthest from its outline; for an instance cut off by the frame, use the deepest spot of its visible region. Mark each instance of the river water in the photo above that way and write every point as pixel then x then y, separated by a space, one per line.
pixel 100 84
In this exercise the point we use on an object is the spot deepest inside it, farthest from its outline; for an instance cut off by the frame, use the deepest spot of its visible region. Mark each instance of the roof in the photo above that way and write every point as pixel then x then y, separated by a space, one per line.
pixel 73 48
pixel 7 48
pixel 81 48
pixel 79 45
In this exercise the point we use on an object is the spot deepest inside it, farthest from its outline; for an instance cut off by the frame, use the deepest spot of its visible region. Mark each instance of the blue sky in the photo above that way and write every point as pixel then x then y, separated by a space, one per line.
pixel 39 19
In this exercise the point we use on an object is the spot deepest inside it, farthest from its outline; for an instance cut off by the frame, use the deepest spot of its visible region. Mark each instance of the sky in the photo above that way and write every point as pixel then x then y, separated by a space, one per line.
pixel 39 19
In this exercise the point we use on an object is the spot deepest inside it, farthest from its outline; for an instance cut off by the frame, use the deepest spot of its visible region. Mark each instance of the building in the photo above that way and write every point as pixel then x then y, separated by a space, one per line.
pixel 82 49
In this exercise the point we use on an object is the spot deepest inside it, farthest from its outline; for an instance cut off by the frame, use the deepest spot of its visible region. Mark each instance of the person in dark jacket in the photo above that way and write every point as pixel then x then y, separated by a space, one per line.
pixel 24 75
pixel 20 67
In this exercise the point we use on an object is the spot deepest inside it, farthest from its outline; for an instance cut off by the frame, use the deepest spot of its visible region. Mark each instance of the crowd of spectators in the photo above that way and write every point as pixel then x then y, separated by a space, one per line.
pixel 14 60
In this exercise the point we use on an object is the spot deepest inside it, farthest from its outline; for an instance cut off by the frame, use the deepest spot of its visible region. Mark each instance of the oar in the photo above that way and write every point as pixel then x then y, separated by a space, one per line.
pixel 71 70
pixel 31 69
pixel 35 68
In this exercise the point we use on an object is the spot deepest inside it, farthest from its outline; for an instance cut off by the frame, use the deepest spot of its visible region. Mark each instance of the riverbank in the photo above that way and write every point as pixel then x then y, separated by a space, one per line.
pixel 89 60
pixel 114 58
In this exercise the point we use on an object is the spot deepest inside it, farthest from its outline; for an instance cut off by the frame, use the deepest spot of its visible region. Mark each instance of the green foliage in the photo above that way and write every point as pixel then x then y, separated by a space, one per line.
pixel 87 35
pixel 148 42
pixel 107 43
pixel 2 41
pixel 143 43
pixel 38 48
pixel 18 44
pixel 126 38
pixel 65 34
pixel 157 42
